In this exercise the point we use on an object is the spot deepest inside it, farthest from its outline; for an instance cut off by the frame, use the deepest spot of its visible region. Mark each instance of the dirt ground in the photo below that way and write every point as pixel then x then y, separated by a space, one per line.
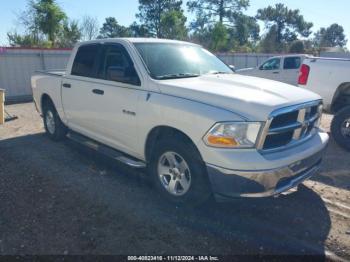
pixel 60 198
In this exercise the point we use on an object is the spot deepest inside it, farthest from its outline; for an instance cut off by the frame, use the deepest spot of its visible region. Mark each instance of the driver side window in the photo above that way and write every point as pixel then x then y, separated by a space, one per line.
pixel 117 66
pixel 272 64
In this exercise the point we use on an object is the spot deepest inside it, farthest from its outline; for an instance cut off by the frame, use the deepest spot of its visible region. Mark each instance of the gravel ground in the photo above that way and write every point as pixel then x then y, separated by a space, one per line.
pixel 60 198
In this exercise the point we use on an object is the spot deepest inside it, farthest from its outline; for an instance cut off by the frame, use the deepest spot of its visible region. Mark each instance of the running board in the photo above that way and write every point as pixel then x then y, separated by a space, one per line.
pixel 108 151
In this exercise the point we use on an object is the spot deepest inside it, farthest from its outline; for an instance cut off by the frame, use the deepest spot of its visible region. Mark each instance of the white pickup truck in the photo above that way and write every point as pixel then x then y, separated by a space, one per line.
pixel 176 109
pixel 330 78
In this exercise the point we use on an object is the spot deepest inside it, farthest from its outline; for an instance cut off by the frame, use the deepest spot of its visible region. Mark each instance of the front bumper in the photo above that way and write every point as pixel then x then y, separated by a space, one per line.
pixel 263 183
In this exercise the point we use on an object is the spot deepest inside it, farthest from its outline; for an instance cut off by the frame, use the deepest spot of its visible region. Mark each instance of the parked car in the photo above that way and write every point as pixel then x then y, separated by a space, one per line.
pixel 175 108
pixel 280 68
pixel 331 80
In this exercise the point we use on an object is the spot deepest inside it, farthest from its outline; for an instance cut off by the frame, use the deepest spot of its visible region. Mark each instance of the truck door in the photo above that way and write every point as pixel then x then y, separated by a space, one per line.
pixel 290 72
pixel 77 98
pixel 100 100
pixel 118 100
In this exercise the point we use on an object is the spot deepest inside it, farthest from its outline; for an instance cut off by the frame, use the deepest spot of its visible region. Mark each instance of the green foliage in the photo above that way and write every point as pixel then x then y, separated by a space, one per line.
pixel 151 13
pixel 210 10
pixel 137 30
pixel 288 24
pixel 27 40
pixel 297 47
pixel 70 34
pixel 332 36
pixel 247 30
pixel 173 25
pixel 48 17
pixel 219 36
pixel 242 30
pixel 269 44
pixel 111 29
pixel 46 25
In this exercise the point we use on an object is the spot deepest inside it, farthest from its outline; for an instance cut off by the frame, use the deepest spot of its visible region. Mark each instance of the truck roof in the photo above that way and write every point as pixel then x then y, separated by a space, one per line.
pixel 136 40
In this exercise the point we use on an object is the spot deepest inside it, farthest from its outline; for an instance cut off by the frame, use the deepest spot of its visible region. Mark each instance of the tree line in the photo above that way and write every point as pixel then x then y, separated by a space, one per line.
pixel 219 25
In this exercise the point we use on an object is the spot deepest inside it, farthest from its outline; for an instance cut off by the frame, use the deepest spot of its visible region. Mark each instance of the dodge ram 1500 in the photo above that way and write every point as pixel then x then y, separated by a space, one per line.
pixel 174 108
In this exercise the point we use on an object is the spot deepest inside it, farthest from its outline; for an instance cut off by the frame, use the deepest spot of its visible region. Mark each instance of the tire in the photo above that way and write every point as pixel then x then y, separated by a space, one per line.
pixel 340 128
pixel 54 127
pixel 190 169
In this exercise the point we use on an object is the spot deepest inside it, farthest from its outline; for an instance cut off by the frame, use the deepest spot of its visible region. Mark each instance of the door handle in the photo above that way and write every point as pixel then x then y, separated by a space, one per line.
pixel 66 85
pixel 98 92
pixel 276 73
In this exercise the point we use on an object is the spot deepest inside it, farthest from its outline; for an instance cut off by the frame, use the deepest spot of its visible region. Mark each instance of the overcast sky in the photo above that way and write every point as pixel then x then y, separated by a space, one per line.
pixel 321 12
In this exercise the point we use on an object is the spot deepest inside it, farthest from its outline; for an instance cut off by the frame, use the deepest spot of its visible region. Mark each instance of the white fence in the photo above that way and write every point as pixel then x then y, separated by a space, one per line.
pixel 17 66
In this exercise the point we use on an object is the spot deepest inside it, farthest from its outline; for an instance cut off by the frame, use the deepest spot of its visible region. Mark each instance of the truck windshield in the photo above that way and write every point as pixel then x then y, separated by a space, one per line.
pixel 171 61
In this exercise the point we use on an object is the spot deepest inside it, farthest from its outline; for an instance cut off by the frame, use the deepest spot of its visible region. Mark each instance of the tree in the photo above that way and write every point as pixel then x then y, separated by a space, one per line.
pixel 111 29
pixel 173 25
pixel 89 27
pixel 223 11
pixel 70 34
pixel 151 13
pixel 247 30
pixel 219 37
pixel 137 30
pixel 287 23
pixel 297 47
pixel 269 44
pixel 241 29
pixel 48 17
pixel 332 36
pixel 26 40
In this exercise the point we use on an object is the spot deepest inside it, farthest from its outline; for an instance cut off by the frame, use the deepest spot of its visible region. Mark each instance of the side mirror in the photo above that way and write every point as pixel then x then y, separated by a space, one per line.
pixel 233 68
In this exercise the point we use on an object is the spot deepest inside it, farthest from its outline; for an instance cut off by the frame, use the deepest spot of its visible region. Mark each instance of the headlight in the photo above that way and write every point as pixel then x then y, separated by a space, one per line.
pixel 233 135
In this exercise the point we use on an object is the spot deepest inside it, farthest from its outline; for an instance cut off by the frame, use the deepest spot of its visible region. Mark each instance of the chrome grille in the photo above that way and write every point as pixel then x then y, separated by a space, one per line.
pixel 290 125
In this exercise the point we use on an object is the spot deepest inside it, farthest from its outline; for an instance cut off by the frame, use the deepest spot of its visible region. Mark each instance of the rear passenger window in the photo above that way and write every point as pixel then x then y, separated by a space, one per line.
pixel 85 60
pixel 292 63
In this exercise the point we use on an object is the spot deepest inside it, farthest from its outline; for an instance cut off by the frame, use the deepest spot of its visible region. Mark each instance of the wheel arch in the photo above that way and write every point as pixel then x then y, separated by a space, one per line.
pixel 160 132
pixel 341 97
pixel 45 100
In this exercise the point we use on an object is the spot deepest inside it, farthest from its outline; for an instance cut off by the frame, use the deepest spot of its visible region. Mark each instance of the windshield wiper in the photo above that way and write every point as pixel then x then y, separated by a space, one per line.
pixel 175 76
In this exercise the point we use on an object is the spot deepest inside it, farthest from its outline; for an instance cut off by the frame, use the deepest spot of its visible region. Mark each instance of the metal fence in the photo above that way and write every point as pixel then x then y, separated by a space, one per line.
pixel 17 65
pixel 244 60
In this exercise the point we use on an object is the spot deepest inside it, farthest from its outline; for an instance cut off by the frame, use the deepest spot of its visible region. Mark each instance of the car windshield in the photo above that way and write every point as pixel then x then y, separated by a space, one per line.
pixel 170 61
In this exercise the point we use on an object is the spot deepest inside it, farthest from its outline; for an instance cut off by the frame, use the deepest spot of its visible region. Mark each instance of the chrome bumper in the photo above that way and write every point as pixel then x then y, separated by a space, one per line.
pixel 262 183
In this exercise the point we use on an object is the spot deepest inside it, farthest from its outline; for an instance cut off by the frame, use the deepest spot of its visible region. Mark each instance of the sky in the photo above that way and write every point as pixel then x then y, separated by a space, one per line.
pixel 321 12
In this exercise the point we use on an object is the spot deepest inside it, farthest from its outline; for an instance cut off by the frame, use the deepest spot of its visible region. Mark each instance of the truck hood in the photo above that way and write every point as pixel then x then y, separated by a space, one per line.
pixel 251 97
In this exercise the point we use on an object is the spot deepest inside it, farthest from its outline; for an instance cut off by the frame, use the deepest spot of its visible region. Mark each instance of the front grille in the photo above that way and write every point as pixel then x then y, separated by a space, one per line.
pixel 289 125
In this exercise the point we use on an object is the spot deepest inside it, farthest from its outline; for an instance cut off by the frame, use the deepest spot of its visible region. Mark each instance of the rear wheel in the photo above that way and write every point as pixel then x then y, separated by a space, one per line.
pixel 178 173
pixel 54 127
pixel 341 128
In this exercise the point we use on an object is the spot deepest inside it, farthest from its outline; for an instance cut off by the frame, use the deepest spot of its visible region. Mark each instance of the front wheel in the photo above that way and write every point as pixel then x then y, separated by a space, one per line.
pixel 178 173
pixel 341 128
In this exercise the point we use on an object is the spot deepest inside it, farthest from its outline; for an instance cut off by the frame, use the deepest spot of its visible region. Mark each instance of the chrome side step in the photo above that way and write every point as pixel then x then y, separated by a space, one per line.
pixel 108 151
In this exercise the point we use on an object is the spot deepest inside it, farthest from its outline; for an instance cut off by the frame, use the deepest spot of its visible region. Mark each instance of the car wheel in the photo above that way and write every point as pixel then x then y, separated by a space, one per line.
pixel 178 173
pixel 54 127
pixel 341 128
